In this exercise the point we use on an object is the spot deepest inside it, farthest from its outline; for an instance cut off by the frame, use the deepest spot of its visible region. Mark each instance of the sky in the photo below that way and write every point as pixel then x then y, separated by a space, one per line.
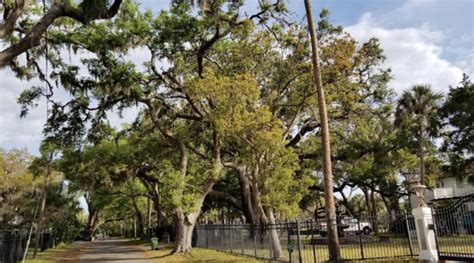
pixel 425 42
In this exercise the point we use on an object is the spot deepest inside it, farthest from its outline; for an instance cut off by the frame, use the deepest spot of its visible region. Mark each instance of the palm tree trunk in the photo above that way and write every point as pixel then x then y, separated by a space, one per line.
pixel 422 152
pixel 333 241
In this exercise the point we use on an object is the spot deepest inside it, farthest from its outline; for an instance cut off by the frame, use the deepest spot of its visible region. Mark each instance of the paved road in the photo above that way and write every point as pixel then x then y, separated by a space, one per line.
pixel 112 251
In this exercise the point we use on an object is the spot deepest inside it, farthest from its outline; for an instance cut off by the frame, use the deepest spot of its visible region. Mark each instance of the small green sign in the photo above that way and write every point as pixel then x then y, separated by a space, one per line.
pixel 290 248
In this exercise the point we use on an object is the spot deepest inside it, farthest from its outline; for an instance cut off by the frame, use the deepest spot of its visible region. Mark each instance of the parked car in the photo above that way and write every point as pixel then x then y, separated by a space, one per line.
pixel 348 225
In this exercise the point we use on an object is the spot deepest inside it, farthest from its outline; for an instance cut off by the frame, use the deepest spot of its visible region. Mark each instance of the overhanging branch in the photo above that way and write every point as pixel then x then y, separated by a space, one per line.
pixel 33 38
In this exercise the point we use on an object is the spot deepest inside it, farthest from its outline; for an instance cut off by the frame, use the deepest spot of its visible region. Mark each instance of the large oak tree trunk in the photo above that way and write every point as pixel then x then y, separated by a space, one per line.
pixel 246 197
pixel 274 238
pixel 266 216
pixel 139 217
pixel 91 225
pixel 185 223
pixel 375 223
pixel 345 202
pixel 184 230
pixel 368 202
pixel 160 214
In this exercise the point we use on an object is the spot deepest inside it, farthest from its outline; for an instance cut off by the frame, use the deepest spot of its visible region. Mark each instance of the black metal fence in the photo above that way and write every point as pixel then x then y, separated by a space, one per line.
pixel 455 229
pixel 389 237
pixel 13 244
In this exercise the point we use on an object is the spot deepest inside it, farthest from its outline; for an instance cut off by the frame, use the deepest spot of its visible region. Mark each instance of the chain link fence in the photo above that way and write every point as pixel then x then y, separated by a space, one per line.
pixel 367 238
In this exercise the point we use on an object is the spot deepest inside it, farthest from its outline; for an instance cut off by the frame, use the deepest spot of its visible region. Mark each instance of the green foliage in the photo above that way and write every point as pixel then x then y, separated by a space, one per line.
pixel 20 176
pixel 227 90
pixel 17 187
pixel 458 113
pixel 417 115
pixel 93 8
pixel 61 212
pixel 28 99
pixel 419 108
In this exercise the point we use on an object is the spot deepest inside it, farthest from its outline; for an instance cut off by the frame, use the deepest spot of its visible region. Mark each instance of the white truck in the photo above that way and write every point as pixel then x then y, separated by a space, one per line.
pixel 348 225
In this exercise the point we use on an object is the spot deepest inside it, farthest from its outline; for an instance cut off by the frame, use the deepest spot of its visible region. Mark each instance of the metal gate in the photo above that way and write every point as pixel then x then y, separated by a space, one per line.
pixel 455 229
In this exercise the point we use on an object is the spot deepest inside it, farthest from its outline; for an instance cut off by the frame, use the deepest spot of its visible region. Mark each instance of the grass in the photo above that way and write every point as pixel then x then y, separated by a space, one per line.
pixel 62 252
pixel 196 255
pixel 456 244
pixel 393 248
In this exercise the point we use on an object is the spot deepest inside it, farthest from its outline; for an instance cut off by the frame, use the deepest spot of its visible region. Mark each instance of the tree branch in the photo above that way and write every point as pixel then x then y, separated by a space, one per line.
pixel 221 196
pixel 308 126
pixel 11 16
pixel 33 38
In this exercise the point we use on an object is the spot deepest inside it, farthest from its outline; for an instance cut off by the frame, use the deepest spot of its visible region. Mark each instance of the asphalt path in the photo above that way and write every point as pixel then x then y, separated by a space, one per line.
pixel 116 250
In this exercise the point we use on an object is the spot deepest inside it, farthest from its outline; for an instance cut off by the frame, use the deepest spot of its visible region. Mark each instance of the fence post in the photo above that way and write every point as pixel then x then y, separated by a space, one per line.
pixel 299 240
pixel 313 241
pixel 435 229
pixel 360 240
pixel 242 241
pixel 231 241
pixel 255 243
pixel 409 234
pixel 426 236
pixel 270 250
pixel 206 229
pixel 290 245
pixel 222 233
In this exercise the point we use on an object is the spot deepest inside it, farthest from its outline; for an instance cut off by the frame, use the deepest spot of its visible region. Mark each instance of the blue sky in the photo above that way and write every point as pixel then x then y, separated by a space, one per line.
pixel 425 41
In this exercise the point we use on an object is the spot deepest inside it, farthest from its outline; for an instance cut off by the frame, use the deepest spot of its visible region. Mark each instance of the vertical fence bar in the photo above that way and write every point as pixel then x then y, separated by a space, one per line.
pixel 255 243
pixel 434 215
pixel 465 226
pixel 289 244
pixel 242 241
pixel 206 236
pixel 231 239
pixel 360 240
pixel 222 234
pixel 298 236
pixel 313 241
pixel 410 245
pixel 270 248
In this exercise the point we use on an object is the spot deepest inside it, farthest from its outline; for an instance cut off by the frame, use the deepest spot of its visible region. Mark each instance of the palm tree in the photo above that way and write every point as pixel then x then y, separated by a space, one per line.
pixel 333 241
pixel 419 107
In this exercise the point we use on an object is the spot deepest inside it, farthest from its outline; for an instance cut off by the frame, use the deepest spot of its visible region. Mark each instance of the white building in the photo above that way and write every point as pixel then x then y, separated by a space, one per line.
pixel 449 187
pixel 446 188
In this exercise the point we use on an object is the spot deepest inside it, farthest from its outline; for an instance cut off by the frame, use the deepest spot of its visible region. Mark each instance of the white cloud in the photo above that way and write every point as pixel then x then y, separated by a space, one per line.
pixel 14 131
pixel 19 133
pixel 413 54
pixel 127 117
